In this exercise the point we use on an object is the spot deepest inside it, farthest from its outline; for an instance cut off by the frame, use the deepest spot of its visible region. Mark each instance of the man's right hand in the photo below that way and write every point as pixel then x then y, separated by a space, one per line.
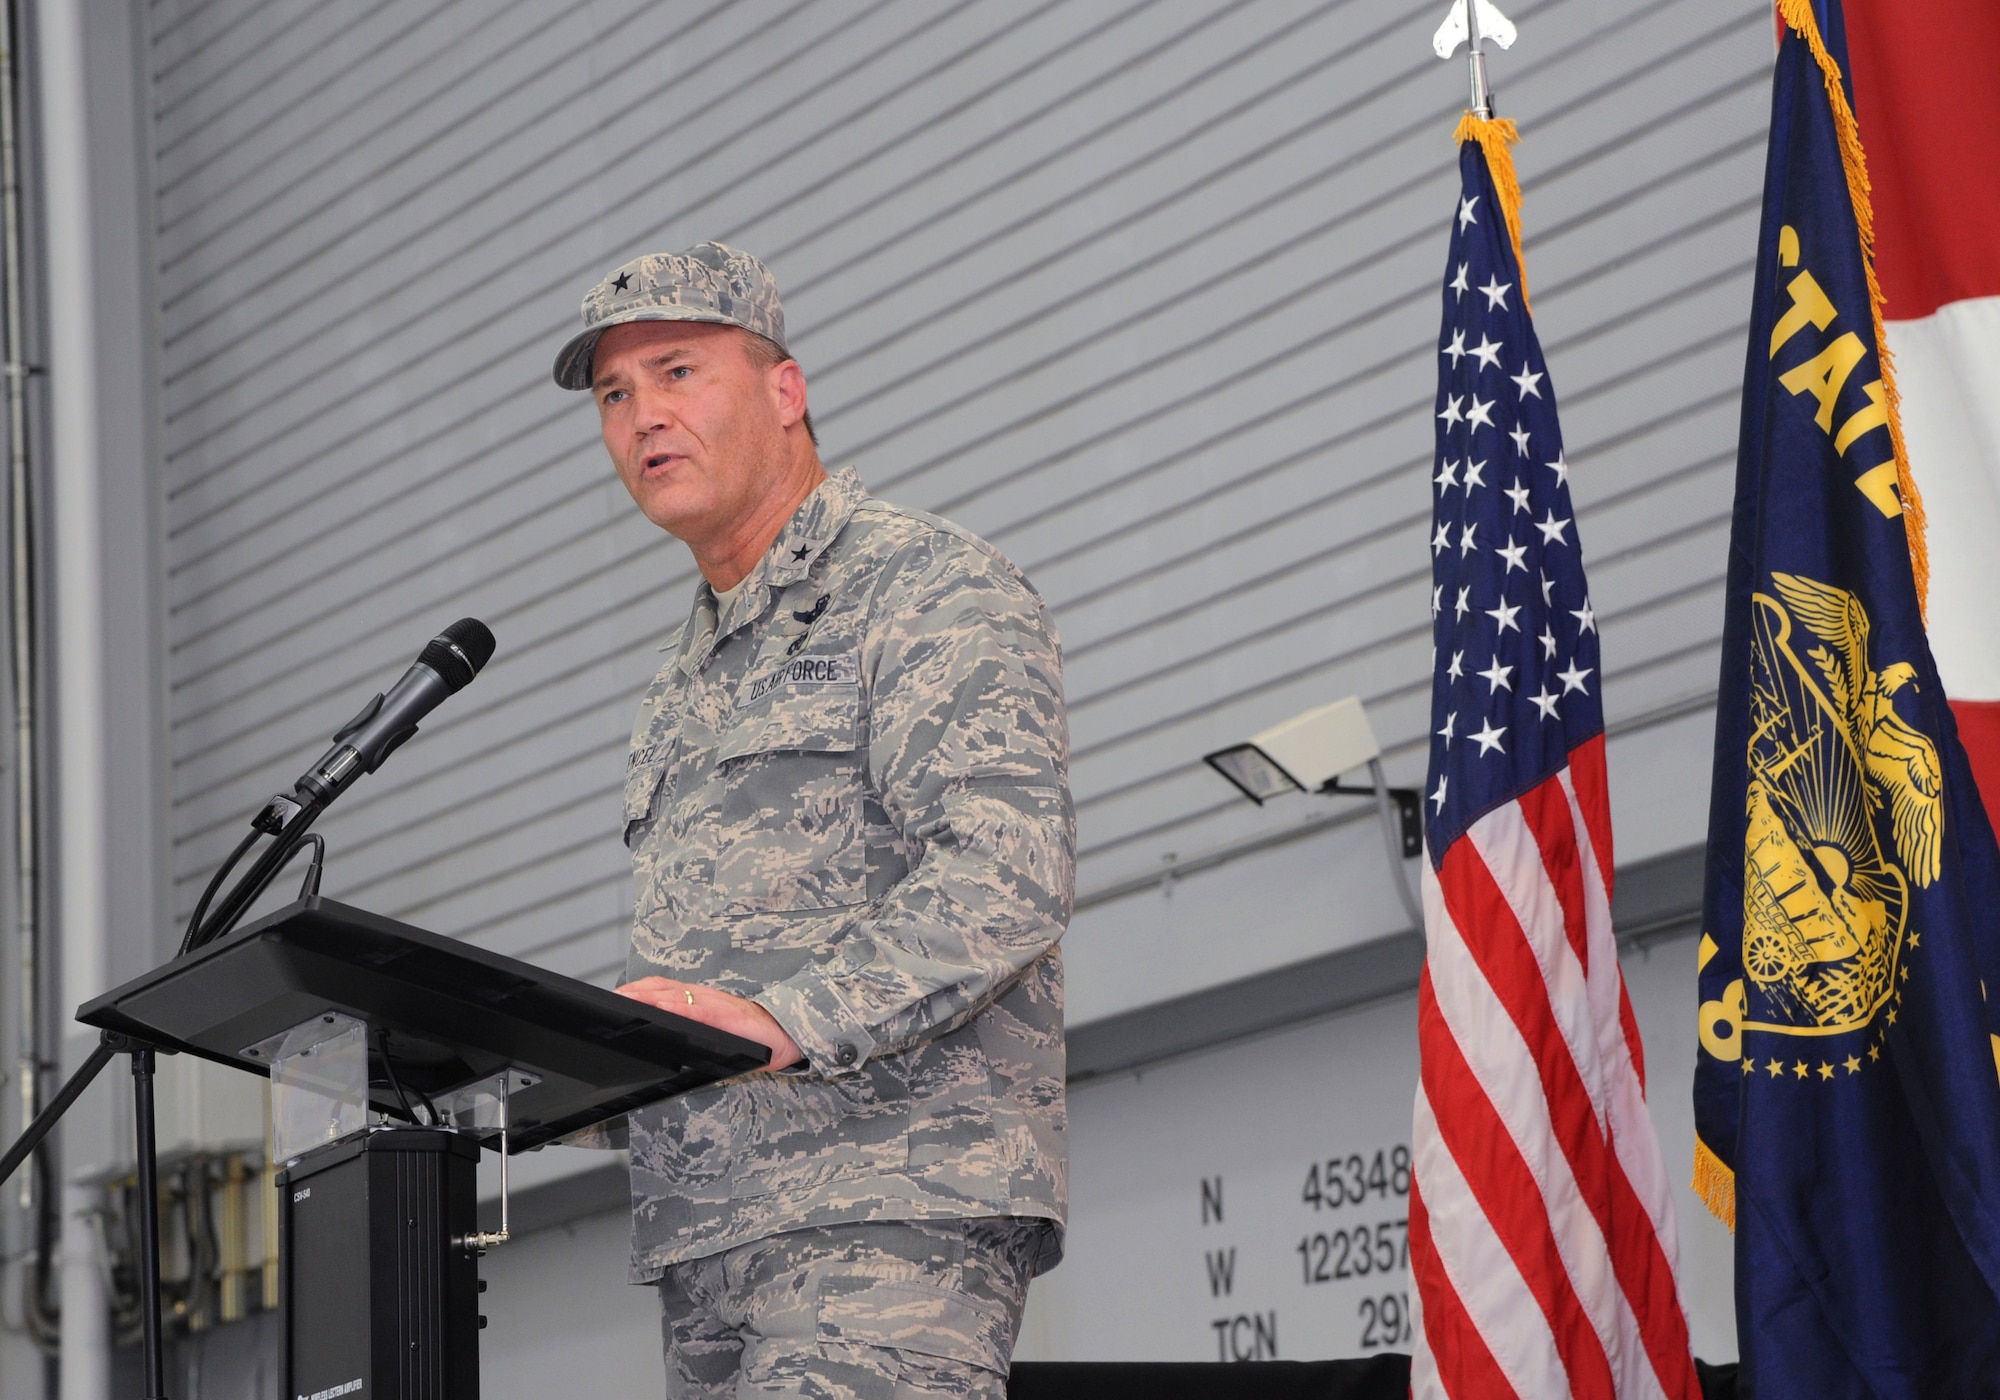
pixel 723 1010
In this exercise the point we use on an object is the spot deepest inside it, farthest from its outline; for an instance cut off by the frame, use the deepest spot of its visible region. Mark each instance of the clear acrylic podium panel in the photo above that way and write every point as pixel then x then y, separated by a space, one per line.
pixel 319 1083
pixel 320 1088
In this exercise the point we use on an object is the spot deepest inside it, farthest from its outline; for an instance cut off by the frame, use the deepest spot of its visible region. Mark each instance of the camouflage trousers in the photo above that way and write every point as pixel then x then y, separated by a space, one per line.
pixel 870 1311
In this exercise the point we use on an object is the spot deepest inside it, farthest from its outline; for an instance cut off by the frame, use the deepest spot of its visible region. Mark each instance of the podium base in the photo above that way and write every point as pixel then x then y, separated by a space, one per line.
pixel 380 1294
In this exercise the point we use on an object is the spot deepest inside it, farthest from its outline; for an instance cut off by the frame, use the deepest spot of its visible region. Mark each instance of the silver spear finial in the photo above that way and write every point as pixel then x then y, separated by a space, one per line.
pixel 1483 21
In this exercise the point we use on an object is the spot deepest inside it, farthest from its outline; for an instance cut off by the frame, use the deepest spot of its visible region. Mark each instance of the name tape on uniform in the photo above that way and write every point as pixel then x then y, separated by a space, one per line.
pixel 651 754
pixel 804 671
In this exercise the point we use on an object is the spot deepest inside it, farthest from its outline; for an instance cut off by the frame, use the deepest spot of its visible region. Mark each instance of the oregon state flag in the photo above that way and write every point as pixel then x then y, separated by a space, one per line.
pixel 1846 1096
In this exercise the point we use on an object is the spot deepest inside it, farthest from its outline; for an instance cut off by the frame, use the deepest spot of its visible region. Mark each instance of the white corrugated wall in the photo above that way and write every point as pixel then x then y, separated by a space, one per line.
pixel 1145 291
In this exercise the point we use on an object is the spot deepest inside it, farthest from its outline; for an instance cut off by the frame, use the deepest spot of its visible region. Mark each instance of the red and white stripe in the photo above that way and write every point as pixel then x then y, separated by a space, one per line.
pixel 1541 1217
pixel 1922 75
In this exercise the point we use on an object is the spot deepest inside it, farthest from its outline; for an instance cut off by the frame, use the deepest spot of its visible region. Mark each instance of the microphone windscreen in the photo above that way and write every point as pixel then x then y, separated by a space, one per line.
pixel 459 652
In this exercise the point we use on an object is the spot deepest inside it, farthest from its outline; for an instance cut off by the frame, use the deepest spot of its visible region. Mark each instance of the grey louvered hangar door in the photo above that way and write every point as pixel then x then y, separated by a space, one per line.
pixel 1142 290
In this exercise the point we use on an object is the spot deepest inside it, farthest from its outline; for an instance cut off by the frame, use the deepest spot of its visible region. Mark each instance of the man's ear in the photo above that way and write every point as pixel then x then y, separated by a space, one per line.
pixel 790 383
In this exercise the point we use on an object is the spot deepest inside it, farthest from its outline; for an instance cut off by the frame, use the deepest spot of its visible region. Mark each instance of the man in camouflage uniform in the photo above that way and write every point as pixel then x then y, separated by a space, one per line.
pixel 848 809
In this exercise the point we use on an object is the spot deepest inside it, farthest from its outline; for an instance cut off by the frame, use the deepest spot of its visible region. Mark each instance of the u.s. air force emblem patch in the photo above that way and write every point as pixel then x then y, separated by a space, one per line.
pixel 1845 814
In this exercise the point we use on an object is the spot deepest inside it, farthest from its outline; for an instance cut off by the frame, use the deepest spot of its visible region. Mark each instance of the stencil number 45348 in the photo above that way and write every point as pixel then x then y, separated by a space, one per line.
pixel 1346 1181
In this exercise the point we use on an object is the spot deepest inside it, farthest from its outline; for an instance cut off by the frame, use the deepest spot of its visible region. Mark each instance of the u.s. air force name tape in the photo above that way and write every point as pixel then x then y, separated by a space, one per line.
pixel 804 671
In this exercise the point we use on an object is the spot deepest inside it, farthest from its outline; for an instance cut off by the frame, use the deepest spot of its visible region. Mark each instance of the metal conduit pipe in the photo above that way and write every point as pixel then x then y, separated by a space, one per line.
pixel 21 583
pixel 76 563
pixel 38 1213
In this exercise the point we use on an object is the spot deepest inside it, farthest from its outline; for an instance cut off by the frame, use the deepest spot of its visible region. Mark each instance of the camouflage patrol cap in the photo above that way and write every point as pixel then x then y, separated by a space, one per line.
pixel 709 282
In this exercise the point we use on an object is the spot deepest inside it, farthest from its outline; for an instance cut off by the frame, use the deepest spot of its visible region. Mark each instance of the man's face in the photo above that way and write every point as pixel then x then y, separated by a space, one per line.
pixel 695 426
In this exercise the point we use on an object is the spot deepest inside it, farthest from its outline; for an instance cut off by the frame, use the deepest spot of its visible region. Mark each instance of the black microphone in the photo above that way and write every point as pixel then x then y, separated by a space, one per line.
pixel 446 667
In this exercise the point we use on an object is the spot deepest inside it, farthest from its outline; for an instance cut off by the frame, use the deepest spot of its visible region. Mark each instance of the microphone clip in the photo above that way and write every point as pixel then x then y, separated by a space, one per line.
pixel 277 813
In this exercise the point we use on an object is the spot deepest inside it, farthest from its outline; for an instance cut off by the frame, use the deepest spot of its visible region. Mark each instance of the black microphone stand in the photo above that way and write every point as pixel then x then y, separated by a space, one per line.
pixel 286 819
pixel 110 1045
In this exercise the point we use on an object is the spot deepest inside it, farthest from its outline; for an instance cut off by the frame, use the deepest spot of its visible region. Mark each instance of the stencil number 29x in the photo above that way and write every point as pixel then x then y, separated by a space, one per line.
pixel 1385 1320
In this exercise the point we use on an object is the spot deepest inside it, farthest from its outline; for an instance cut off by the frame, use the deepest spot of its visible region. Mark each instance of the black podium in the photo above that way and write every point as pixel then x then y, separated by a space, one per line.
pixel 377 1237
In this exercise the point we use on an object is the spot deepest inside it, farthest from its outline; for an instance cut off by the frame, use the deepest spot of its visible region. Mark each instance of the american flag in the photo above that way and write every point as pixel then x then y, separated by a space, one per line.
pixel 1541 1219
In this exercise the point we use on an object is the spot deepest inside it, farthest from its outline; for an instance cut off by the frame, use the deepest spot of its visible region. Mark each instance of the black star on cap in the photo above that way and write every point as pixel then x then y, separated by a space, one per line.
pixel 800 553
pixel 623 283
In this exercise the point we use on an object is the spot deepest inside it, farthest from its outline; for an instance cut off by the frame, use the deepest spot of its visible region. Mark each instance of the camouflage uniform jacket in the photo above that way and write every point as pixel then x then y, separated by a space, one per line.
pixel 847 799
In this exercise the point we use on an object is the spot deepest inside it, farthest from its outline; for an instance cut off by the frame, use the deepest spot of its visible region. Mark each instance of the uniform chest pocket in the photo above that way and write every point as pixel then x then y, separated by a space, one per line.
pixel 788 805
pixel 642 786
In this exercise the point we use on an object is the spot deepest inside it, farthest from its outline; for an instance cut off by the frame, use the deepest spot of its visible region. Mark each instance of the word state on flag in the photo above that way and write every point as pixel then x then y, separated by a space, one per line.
pixel 1542 1238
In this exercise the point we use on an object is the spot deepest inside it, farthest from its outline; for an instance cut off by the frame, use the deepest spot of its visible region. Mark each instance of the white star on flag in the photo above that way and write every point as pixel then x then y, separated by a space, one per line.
pixel 1520 436
pixel 1518 494
pixel 1495 291
pixel 1586 620
pixel 1552 529
pixel 1572 679
pixel 1447 477
pixel 1451 415
pixel 1546 703
pixel 1496 676
pixel 1488 738
pixel 1560 468
pixel 1465 215
pixel 1481 412
pixel 1456 349
pixel 1530 385
pixel 1458 283
pixel 1487 351
pixel 1513 554
pixel 1505 615
pixel 1472 474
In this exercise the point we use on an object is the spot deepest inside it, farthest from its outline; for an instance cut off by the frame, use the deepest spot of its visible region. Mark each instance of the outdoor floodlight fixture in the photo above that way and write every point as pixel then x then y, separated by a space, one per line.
pixel 1308 753
pixel 1305 753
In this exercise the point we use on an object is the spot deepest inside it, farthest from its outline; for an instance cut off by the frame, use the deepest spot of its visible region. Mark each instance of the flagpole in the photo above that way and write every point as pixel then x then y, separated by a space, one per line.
pixel 1482 92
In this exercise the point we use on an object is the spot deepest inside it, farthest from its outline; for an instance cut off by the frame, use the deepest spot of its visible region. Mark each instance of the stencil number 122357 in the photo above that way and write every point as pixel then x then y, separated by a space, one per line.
pixel 1355 1252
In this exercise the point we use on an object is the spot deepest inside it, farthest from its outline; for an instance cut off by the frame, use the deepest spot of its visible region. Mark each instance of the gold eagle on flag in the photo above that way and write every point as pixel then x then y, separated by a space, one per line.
pixel 1826 886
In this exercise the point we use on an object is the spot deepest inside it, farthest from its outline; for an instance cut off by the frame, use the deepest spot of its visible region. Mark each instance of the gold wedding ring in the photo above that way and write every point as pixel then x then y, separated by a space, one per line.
pixel 690 996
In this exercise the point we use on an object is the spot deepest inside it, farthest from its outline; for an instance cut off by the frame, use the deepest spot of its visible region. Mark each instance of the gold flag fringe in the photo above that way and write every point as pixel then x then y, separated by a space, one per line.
pixel 1715 1184
pixel 1798 15
pixel 1495 135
